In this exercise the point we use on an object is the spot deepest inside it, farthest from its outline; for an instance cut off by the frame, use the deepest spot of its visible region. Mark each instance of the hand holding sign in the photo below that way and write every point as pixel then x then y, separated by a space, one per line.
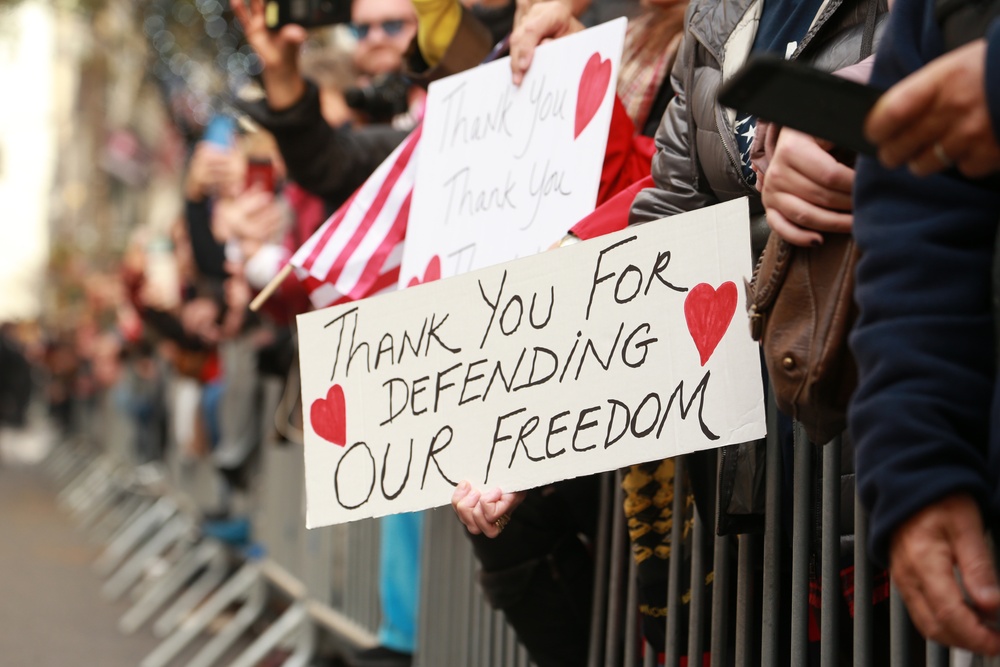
pixel 480 511
pixel 542 22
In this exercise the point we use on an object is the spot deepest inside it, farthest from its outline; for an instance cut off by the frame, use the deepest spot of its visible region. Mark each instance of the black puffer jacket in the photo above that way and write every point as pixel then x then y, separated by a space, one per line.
pixel 330 162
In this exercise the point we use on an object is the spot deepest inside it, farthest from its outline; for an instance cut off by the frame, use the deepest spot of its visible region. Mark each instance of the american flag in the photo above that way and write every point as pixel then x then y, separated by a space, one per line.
pixel 357 252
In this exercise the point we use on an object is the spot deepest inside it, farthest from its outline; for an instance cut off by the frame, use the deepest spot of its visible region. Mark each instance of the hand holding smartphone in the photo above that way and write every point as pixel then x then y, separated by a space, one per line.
pixel 306 13
pixel 796 95
pixel 260 172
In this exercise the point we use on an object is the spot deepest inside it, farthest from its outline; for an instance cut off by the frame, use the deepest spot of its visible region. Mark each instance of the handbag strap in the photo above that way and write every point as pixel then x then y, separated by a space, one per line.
pixel 868 36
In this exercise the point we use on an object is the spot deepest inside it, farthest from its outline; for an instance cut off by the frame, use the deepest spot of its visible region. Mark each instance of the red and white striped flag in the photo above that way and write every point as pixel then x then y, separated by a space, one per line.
pixel 357 252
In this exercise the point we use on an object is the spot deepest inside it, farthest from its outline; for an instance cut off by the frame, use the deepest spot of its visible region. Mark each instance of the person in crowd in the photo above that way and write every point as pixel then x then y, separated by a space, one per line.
pixel 942 115
pixel 699 164
pixel 542 528
pixel 331 161
pixel 924 416
pixel 327 160
pixel 15 379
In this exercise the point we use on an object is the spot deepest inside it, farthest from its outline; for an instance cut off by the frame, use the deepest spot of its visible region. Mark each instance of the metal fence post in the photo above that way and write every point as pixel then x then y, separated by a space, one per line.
pixel 771 584
pixel 863 616
pixel 673 640
pixel 830 562
pixel 802 496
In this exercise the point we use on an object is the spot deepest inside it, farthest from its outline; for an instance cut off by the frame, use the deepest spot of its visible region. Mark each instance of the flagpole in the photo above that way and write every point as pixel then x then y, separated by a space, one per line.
pixel 270 288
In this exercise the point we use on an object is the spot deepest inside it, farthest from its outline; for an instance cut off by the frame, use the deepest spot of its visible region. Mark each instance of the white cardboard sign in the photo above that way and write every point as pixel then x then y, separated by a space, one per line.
pixel 626 348
pixel 504 171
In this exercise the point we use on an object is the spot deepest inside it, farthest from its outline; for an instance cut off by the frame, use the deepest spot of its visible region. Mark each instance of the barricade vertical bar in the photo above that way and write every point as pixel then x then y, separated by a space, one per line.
pixel 771 584
pixel 937 655
pixel 830 560
pixel 476 637
pixel 510 648
pixel 696 632
pixel 448 608
pixel 425 606
pixel 369 586
pixel 249 611
pixel 350 602
pixel 498 638
pixel 118 550
pixel 863 627
pixel 649 655
pixel 293 619
pixel 673 641
pixel 106 499
pixel 370 592
pixel 199 591
pixel 236 588
pixel 719 643
pixel 122 514
pixel 182 572
pixel 900 631
pixel 615 592
pixel 745 584
pixel 802 496
pixel 631 617
pixel 132 569
pixel 485 644
pixel 603 546
pixel 465 599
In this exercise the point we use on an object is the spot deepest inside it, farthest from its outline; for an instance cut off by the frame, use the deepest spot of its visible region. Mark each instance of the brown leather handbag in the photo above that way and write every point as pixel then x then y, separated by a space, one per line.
pixel 801 307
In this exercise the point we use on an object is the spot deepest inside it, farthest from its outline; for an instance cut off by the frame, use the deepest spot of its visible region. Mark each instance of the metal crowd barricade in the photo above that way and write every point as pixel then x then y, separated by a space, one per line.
pixel 325 580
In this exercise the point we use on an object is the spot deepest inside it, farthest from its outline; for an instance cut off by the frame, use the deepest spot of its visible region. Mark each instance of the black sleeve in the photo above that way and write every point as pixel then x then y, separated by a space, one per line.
pixel 328 161
pixel 209 254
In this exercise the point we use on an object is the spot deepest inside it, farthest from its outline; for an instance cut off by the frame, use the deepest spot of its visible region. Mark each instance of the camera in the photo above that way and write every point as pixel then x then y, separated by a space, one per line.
pixel 306 13
pixel 384 99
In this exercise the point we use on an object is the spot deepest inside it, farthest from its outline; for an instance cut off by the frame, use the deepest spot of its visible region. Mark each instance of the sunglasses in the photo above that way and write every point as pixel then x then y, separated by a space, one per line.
pixel 391 28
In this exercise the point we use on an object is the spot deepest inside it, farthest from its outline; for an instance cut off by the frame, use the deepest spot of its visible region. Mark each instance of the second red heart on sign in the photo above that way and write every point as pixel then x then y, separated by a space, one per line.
pixel 431 273
pixel 593 86
pixel 328 416
pixel 708 312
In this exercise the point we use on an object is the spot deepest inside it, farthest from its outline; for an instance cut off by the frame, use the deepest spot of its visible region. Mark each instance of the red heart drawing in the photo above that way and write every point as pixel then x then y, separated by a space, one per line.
pixel 329 416
pixel 431 273
pixel 593 85
pixel 708 313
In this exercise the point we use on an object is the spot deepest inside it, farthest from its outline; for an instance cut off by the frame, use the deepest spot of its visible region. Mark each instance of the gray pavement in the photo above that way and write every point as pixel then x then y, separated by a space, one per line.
pixel 51 610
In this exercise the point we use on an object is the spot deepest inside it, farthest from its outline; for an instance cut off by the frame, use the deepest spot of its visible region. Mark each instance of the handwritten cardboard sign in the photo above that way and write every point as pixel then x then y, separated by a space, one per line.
pixel 503 169
pixel 627 348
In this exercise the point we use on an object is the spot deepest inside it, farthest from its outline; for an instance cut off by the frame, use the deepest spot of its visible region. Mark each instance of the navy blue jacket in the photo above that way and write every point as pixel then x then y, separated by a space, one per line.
pixel 924 342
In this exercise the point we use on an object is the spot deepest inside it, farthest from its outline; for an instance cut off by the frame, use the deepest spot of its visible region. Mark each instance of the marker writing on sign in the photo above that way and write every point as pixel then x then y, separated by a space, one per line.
pixel 631 278
pixel 463 129
pixel 357 471
pixel 386 351
pixel 546 104
pixel 548 183
pixel 465 199
pixel 641 421
pixel 535 366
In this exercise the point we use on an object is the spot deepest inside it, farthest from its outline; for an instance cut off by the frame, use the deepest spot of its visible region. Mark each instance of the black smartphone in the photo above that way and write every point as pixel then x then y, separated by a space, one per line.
pixel 802 97
pixel 306 13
